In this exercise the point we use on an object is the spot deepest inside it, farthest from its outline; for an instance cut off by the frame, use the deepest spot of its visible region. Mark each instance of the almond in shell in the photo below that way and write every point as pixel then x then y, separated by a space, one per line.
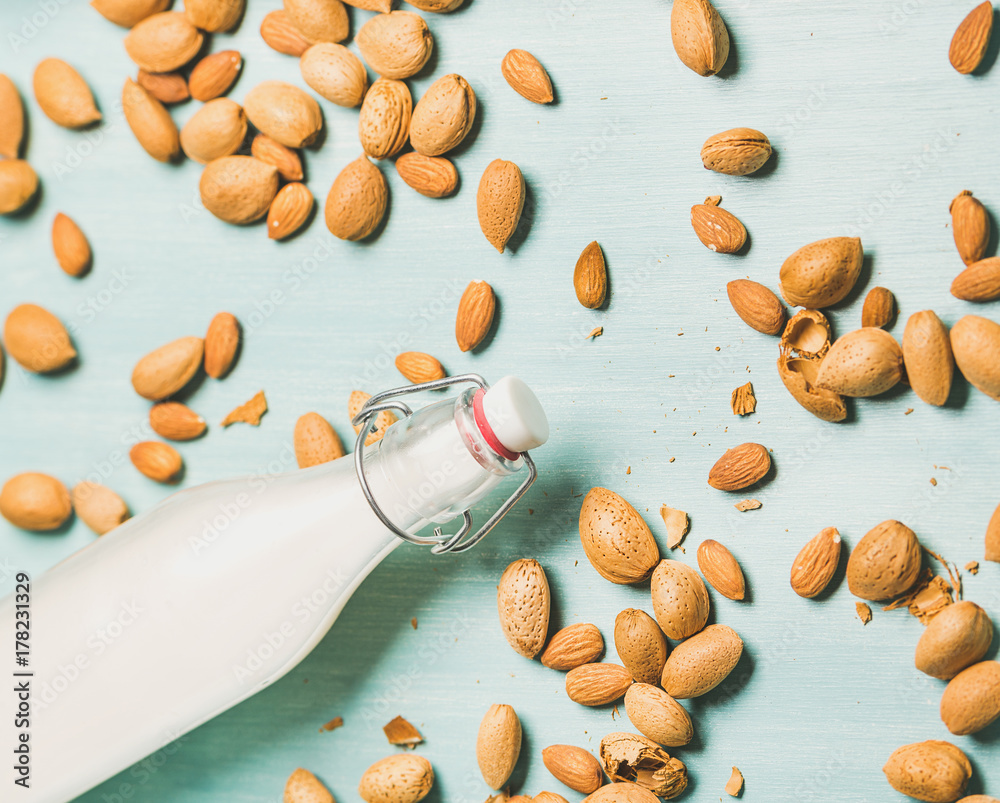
pixel 217 129
pixel 956 638
pixel 35 501
pixel 166 370
pixel 972 37
pixel 498 745
pixel 680 600
pixel 865 362
pixel 799 375
pixel 993 537
pixel 100 508
pixel 335 73
pixel 163 42
pixel 319 20
pixel 979 282
pixel 213 76
pixel 970 226
pixel 658 716
pixel 384 122
pixel 573 646
pixel 158 461
pixel 280 33
pixel 499 201
pixel 475 315
pixel 222 344
pixel 128 12
pixel 11 119
pixel 357 200
pixel 632 758
pixel 621 793
pixel 886 563
pixel 37 339
pixel 934 771
pixel 927 357
pixel 640 645
pixel 290 210
pixel 699 36
pixel 737 152
pixel 436 6
pixel 400 778
pixel 523 602
pixel 757 306
pixel 816 563
pixel 316 441
pixel 740 467
pixel 238 189
pixel 702 662
pixel 63 95
pixel 151 123
pixel 396 45
pixel 304 787
pixel 721 569
pixel 383 420
pixel 597 684
pixel 443 117
pixel 822 273
pixel 18 185
pixel 616 539
pixel 166 87
pixel 574 766
pixel 971 702
pixel 282 157
pixel 419 367
pixel 175 421
pixel 70 246
pixel 433 176
pixel 214 16
pixel 527 76
pixel 284 112
pixel 975 342
pixel 718 230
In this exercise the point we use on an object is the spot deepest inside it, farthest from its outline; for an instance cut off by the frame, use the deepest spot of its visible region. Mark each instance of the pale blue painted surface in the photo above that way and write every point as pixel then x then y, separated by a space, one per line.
pixel 875 133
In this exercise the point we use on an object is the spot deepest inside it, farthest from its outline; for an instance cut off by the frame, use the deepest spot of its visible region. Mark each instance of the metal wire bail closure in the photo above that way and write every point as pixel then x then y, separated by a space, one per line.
pixel 440 542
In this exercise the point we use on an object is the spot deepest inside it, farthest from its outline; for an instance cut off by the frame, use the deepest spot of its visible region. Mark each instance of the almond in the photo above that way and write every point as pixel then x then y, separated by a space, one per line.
pixel 419 367
pixel 879 308
pixel 217 129
pixel 680 600
pixel 383 420
pixel 400 778
pixel 433 176
pixel 99 507
pixel 958 637
pixel 862 363
pixel 166 87
pixel 972 37
pixel 699 36
pixel 616 540
pixel 34 501
pixel 214 16
pixel 11 119
pixel 970 226
pixel 335 73
pixel 702 662
pixel 718 230
pixel 527 76
pixel 573 766
pixel 816 563
pixel 382 6
pixel 934 771
pixel 175 421
pixel 885 564
pixel 758 307
pixel 316 441
pixel 384 123
pixel 357 200
pixel 238 189
pixel 163 42
pixel 721 569
pixel 166 370
pixel 740 467
pixel 640 645
pixel 70 246
pixel 151 123
pixel 222 343
pixel 279 32
pixel 808 334
pixel 629 757
pixel 304 787
pixel 158 461
pixel 128 12
pixel 597 684
pixel 396 45
pixel 64 96
pixel 498 745
pixel 37 339
pixel 993 537
pixel 573 646
pixel 443 117
pixel 475 315
pixel 799 376
pixel 980 281
pixel 822 273
pixel 499 201
pixel 658 716
pixel 975 342
pixel 274 153
pixel 284 112
pixel 737 152
pixel 213 76
pixel 523 602
pixel 290 210
pixel 319 20
pixel 590 277
pixel 547 797
pixel 436 6
pixel 18 185
pixel 621 793
pixel 927 357
pixel 971 702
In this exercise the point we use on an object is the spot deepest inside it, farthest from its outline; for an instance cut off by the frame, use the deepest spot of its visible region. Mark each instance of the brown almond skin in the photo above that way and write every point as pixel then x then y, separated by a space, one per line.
pixel 740 467
pixel 215 74
pixel 574 766
pixel 279 32
pixel 168 87
pixel 357 201
pixel 432 176
pixel 879 308
pixel 934 771
pixel 680 599
pixel 597 684
pixel 383 420
pixel 573 646
pixel 927 356
pixel 721 569
pixel 419 367
pixel 958 637
pixel 527 76
pixel 70 246
pixel 757 306
pixel 222 343
pixel 718 229
pixel 475 315
pixel 886 563
pixel 971 702
pixel 975 342
pixel 816 563
pixel 970 227
pixel 35 501
pixel 658 716
pixel 175 421
pixel 822 273
pixel 737 152
pixel 615 538
pixel 590 277
pixel 158 461
pixel 523 601
pixel 640 645
pixel 281 156
pixel 979 282
pixel 290 210
pixel 972 37
pixel 165 370
pixel 702 662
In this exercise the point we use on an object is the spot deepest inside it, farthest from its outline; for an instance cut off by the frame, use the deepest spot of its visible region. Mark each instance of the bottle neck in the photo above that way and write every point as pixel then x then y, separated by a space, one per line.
pixel 436 464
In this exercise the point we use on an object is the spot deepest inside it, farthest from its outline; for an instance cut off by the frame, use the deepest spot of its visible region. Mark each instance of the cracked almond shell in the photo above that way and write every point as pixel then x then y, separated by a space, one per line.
pixel 798 375
pixel 616 539
pixel 636 759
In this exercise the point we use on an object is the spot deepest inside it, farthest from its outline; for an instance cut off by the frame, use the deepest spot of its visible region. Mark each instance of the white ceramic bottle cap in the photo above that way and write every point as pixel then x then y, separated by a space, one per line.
pixel 515 415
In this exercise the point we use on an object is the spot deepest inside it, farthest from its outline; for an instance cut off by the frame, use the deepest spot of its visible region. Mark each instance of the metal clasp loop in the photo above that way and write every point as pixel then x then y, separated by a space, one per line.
pixel 440 542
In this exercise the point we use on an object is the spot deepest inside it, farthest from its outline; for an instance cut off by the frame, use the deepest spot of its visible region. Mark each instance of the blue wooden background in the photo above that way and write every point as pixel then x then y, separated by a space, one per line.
pixel 874 135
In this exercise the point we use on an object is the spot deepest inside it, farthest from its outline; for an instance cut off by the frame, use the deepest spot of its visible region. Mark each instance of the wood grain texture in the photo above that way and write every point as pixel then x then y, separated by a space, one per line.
pixel 874 134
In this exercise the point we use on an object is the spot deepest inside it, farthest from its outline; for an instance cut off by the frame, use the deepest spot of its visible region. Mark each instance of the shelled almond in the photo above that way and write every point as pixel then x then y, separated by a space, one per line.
pixel 718 229
pixel 970 227
pixel 527 76
pixel 175 421
pixel 158 461
pixel 214 75
pixel 279 32
pixel 573 646
pixel 289 211
pixel 597 684
pixel 816 563
pixel 70 246
pixel 721 569
pixel 166 87
pixel 574 766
